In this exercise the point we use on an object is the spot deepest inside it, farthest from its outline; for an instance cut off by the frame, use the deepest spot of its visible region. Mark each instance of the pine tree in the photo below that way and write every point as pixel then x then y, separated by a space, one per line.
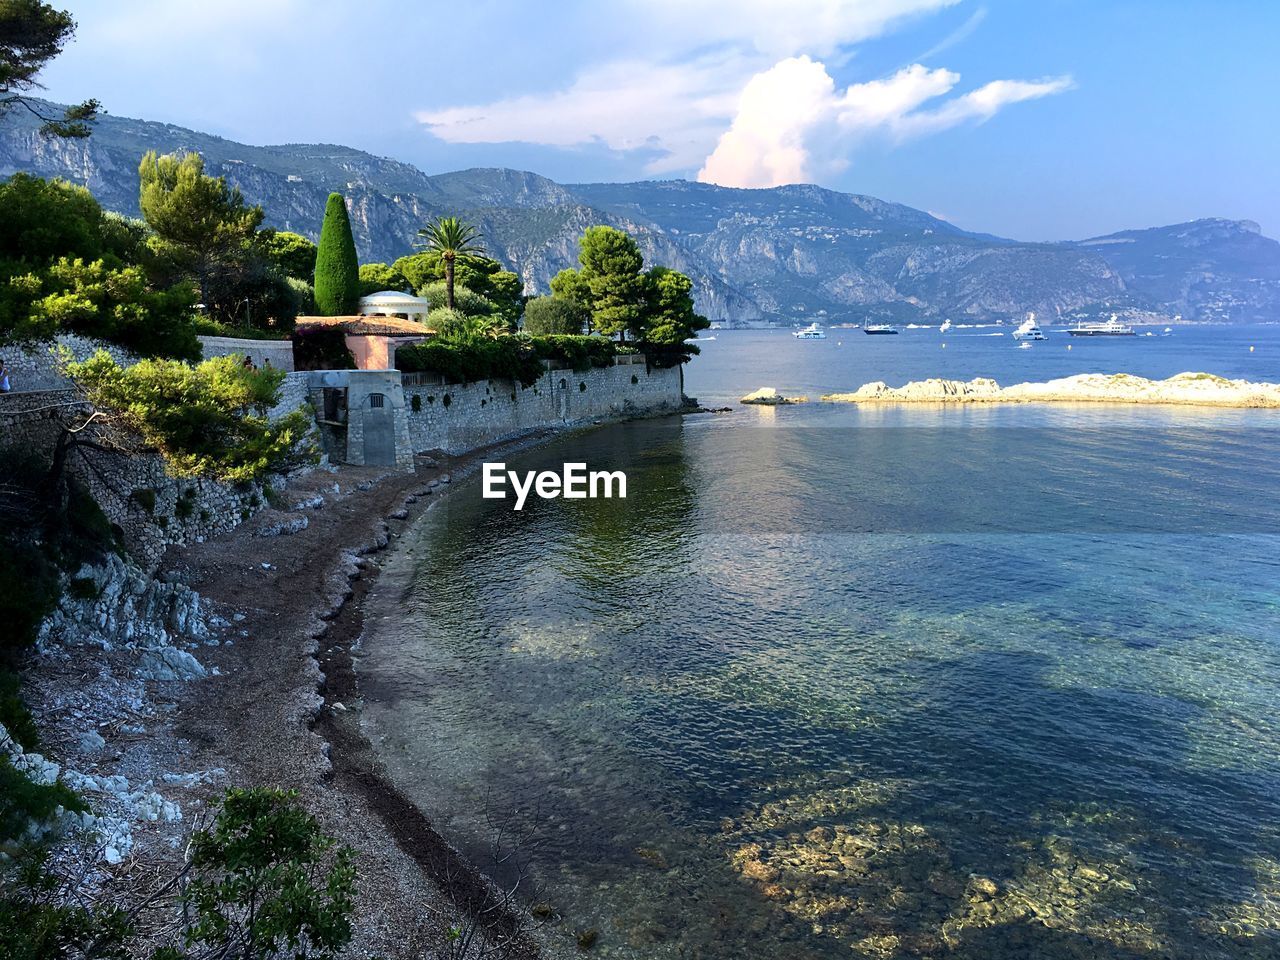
pixel 337 268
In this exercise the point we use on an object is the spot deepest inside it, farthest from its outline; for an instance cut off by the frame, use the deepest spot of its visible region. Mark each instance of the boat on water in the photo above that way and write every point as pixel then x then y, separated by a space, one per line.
pixel 1029 330
pixel 811 332
pixel 1112 328
pixel 946 325
pixel 879 329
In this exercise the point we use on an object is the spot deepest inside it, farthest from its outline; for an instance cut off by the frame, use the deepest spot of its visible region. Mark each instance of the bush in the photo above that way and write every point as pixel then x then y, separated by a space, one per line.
pixel 504 358
pixel 209 419
pixel 208 327
pixel 578 353
pixel 465 302
pixel 267 882
pixel 545 316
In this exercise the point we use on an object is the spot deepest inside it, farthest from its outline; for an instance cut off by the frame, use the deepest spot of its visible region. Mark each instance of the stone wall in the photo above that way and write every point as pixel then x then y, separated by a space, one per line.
pixel 35 367
pixel 279 352
pixel 459 417
pixel 32 421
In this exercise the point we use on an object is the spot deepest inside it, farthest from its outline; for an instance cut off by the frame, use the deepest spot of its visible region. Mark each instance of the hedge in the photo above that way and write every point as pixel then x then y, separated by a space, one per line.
pixel 505 358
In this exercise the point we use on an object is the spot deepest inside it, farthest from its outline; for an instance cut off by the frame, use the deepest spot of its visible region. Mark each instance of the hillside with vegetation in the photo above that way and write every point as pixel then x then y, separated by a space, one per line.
pixel 786 253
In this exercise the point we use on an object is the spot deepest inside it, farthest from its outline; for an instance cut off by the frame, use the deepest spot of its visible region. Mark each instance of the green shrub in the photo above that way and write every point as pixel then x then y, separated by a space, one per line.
pixel 504 358
pixel 267 882
pixel 208 327
pixel 209 419
pixel 577 352
pixel 551 316
pixel 144 497
pixel 465 301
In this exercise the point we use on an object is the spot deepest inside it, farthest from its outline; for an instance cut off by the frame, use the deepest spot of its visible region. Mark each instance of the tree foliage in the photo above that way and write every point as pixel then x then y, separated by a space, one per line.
pixel 550 315
pixel 290 253
pixel 202 224
pixel 337 277
pixel 655 307
pixel 31 34
pixel 671 320
pixel 377 277
pixel 205 420
pixel 611 264
pixel 479 274
pixel 65 266
pixel 450 239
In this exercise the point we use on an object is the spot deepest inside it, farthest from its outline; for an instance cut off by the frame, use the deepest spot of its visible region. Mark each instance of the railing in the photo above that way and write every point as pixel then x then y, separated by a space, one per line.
pixel 422 379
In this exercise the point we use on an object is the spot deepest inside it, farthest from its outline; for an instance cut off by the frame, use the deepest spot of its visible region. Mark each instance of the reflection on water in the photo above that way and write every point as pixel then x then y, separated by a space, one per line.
pixel 904 691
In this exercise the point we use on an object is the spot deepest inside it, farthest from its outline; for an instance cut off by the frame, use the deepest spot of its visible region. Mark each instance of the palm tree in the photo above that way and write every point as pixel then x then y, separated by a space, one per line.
pixel 451 238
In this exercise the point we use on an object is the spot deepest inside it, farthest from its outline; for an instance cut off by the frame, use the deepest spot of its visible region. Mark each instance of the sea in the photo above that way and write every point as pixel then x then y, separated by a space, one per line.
pixel 831 681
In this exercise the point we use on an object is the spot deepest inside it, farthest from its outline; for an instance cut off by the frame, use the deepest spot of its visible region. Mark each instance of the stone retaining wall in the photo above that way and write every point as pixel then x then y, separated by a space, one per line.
pixel 460 417
pixel 279 352
pixel 35 367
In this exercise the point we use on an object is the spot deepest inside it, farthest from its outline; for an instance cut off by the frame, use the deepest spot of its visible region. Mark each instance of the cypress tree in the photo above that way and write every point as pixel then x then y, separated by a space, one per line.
pixel 337 269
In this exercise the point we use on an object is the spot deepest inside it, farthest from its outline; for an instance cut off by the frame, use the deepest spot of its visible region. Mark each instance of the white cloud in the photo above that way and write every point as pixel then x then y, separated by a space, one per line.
pixel 673 110
pixel 733 87
pixel 678 88
pixel 792 124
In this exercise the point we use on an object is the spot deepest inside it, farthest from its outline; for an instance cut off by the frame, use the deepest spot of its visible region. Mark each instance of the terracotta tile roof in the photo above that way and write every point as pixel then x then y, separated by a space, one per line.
pixel 367 325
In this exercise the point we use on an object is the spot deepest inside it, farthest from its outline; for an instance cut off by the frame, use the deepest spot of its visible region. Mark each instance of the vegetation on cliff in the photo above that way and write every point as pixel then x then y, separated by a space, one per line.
pixel 207 419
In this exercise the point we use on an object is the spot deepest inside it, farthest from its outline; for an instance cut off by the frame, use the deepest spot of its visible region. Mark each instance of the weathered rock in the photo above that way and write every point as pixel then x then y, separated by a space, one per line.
pixel 1183 389
pixel 770 397
pixel 286 525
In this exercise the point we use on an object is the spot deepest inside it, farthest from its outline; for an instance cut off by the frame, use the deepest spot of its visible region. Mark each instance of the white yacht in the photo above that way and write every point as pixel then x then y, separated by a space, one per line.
pixel 946 325
pixel 1112 328
pixel 1029 330
pixel 811 332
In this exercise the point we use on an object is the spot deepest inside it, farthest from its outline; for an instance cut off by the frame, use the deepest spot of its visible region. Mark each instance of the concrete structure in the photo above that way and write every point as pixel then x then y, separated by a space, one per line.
pixel 373 341
pixel 393 303
pixel 275 353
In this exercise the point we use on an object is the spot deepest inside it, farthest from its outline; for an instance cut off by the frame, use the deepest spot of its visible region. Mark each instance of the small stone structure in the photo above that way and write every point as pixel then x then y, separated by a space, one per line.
pixel 275 353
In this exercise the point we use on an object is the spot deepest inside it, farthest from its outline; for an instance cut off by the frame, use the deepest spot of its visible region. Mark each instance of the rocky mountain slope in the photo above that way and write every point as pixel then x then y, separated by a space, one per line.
pixel 1222 270
pixel 785 254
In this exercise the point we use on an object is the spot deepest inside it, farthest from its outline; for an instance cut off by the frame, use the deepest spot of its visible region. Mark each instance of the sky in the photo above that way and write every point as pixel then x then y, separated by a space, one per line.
pixel 1032 119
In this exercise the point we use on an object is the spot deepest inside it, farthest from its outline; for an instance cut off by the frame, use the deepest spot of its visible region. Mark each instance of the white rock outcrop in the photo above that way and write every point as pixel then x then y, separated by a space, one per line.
pixel 1183 389
pixel 770 397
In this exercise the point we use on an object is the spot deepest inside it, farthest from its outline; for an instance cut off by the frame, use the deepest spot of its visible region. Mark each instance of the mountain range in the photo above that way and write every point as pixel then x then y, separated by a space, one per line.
pixel 780 255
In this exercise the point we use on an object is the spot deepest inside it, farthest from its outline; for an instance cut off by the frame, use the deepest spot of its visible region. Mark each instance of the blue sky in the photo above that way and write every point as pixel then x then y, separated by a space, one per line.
pixel 1035 119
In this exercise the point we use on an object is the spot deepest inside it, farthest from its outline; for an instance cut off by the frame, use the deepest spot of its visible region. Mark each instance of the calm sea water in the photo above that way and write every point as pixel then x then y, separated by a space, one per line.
pixel 886 683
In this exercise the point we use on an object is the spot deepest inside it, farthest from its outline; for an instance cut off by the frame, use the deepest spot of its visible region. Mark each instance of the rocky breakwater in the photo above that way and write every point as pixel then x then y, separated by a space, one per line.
pixel 1183 389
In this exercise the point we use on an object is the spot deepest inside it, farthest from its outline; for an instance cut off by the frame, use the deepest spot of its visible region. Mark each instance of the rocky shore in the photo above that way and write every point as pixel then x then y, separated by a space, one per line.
pixel 232 668
pixel 1183 389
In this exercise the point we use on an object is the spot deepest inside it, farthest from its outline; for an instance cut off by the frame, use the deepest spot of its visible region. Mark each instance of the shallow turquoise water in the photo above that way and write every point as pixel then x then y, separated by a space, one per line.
pixel 876 683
